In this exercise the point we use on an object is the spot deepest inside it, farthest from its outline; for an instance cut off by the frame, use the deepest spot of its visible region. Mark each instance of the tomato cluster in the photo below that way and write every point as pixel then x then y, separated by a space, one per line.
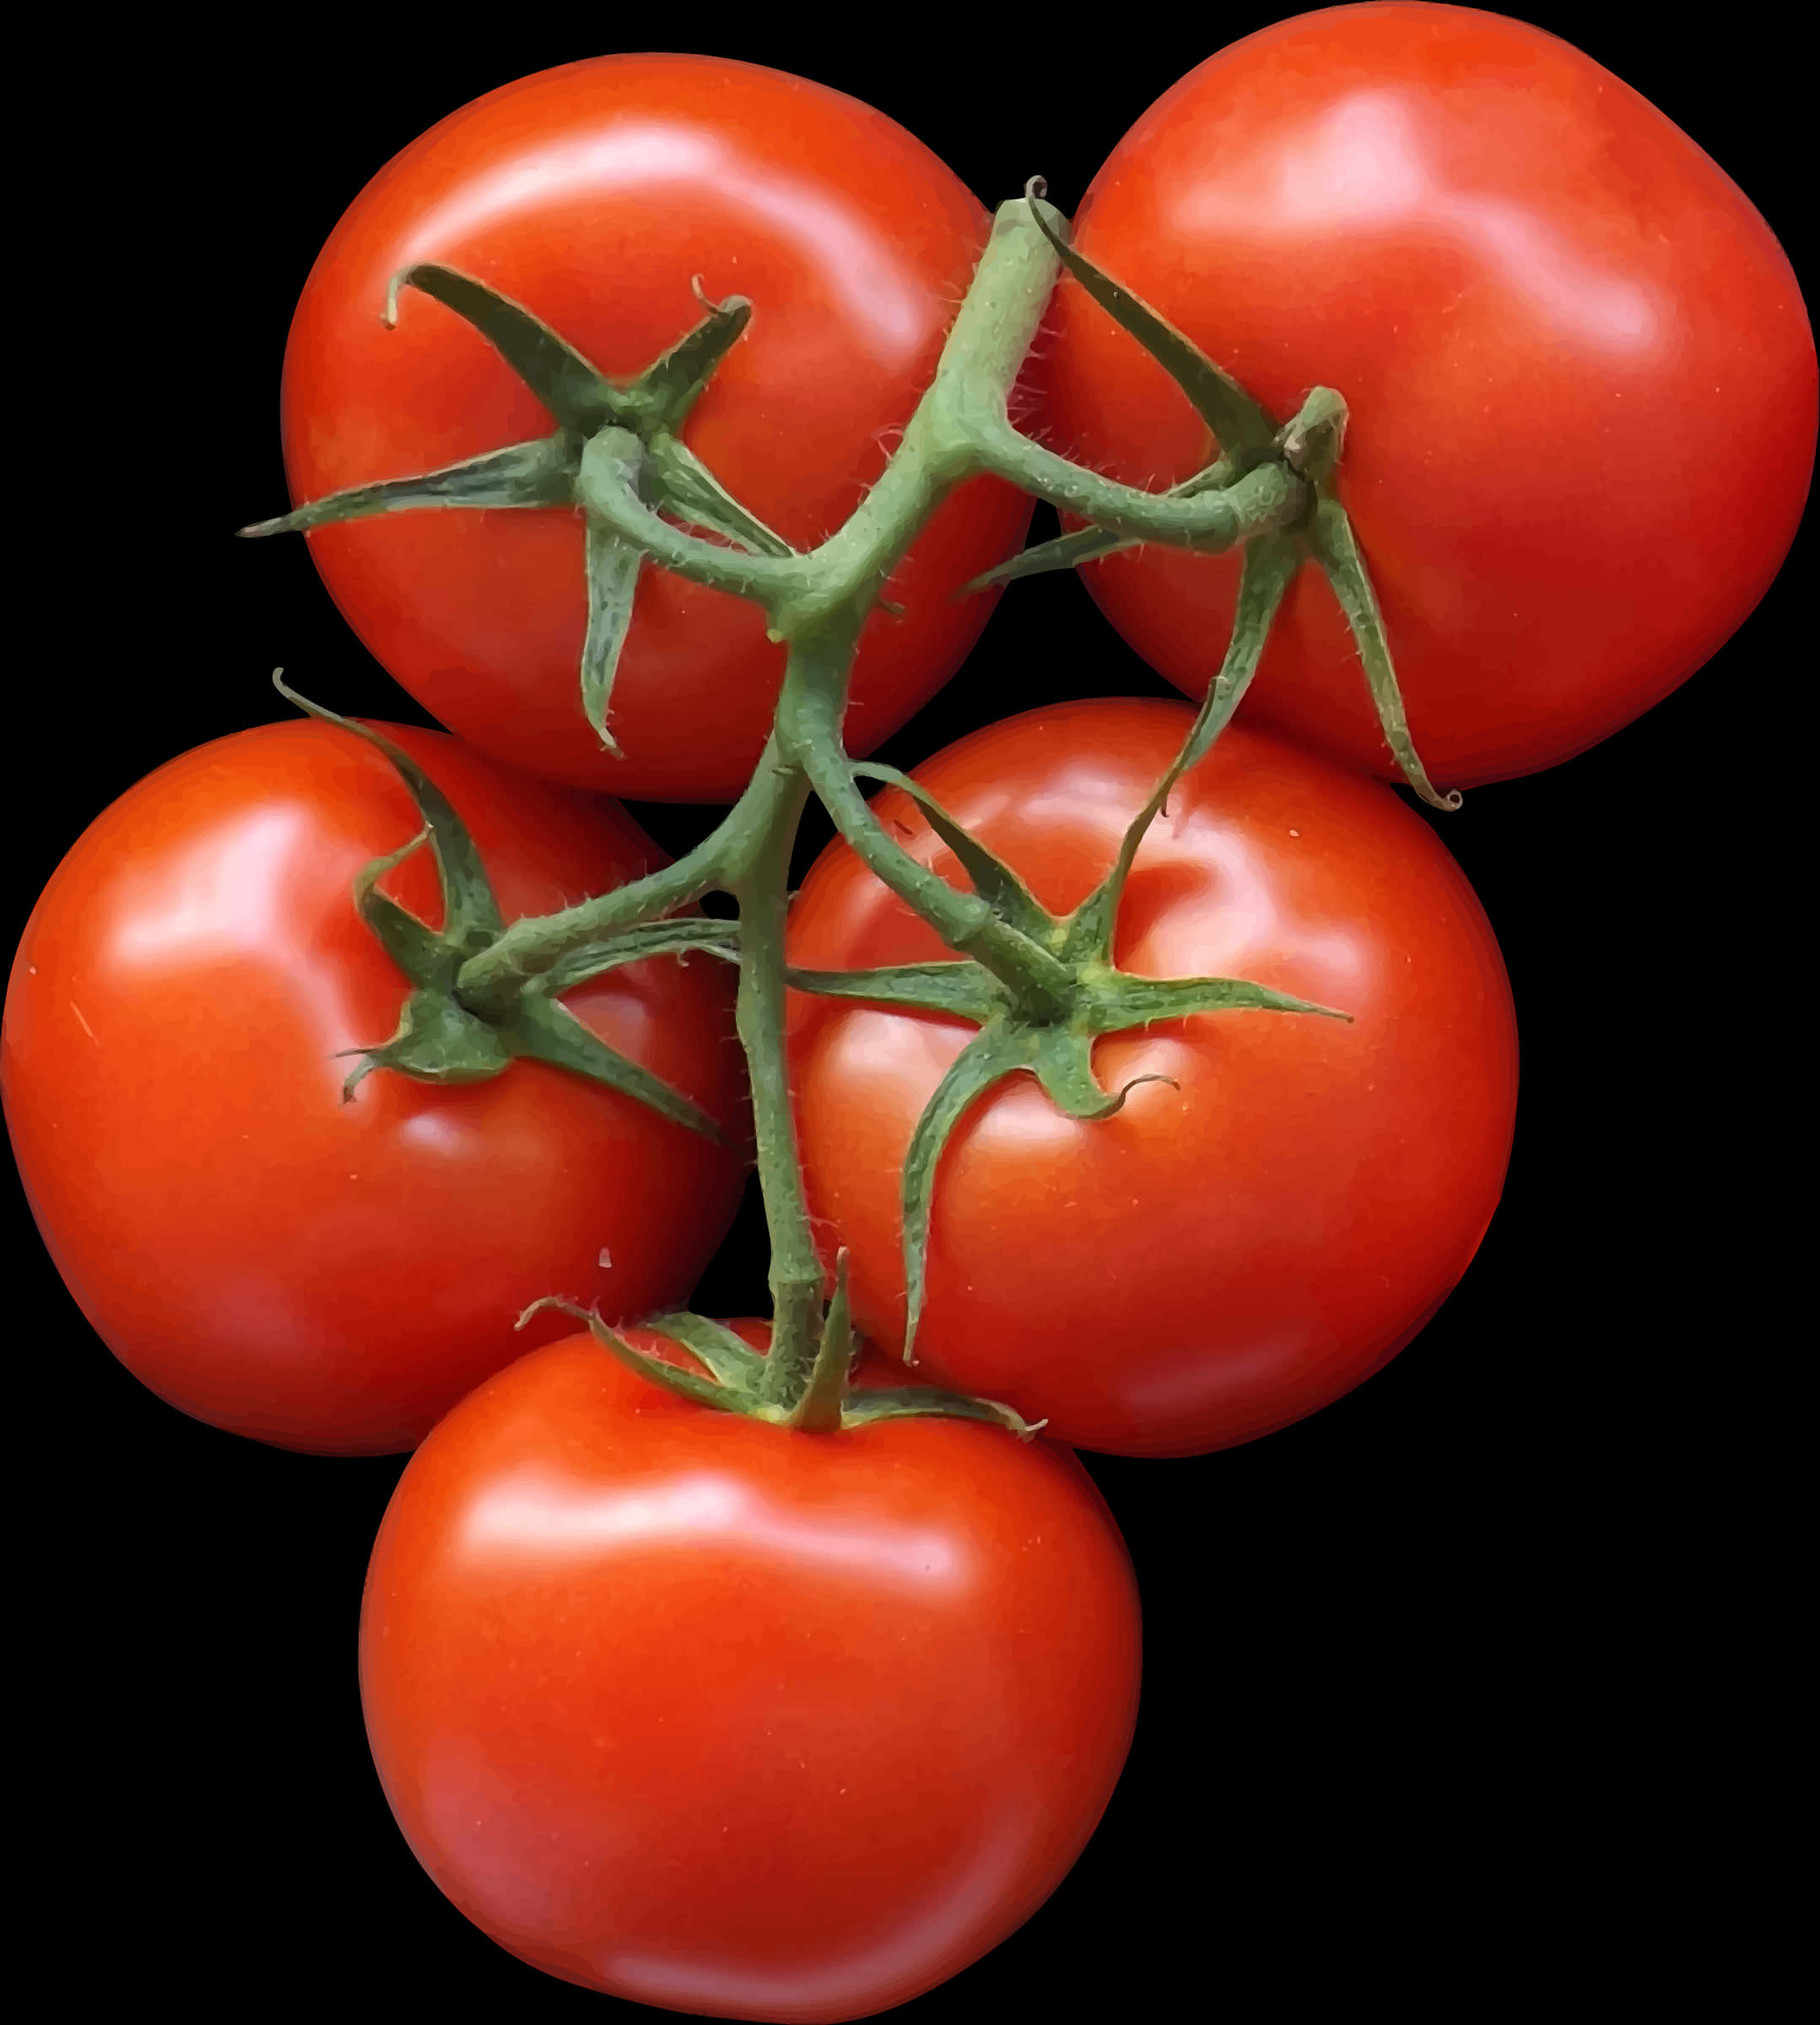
pixel 738 1718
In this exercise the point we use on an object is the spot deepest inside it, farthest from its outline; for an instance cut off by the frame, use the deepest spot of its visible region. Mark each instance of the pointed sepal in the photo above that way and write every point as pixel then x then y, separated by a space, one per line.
pixel 1065 552
pixel 672 1378
pixel 994 1053
pixel 1329 534
pixel 992 877
pixel 1119 1002
pixel 1236 420
pixel 682 486
pixel 818 1408
pixel 728 1357
pixel 666 390
pixel 963 990
pixel 1265 569
pixel 576 396
pixel 539 473
pixel 412 945
pixel 547 1032
pixel 612 572
pixel 471 914
pixel 867 1405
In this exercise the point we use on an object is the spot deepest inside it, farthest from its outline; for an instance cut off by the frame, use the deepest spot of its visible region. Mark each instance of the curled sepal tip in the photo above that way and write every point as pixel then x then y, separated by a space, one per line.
pixel 672 384
pixel 1064 1067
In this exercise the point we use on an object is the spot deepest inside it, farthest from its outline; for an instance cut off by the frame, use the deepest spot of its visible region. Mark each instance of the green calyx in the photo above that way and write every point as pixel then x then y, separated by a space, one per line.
pixel 1049 1032
pixel 439 1039
pixel 807 1387
pixel 627 432
pixel 1306 447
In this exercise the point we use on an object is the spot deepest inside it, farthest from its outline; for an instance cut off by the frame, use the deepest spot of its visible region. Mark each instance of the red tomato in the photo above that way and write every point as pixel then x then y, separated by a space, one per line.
pixel 592 194
pixel 682 1707
pixel 1581 378
pixel 325 1275
pixel 1238 1245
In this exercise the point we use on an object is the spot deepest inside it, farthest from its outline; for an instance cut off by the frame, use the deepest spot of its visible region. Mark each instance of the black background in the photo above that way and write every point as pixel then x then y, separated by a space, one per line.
pixel 1409 1664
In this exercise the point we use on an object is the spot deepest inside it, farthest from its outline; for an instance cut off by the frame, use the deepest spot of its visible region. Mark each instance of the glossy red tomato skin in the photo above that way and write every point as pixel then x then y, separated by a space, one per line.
pixel 734 1721
pixel 1581 375
pixel 326 1276
pixel 593 194
pixel 1238 1247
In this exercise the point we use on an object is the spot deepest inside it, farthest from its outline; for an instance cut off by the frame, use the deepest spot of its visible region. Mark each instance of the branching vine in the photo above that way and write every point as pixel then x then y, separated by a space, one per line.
pixel 1039 989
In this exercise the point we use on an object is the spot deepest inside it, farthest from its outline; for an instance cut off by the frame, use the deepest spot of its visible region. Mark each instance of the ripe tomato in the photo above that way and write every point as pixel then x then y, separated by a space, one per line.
pixel 1581 378
pixel 592 194
pixel 682 1707
pixel 325 1275
pixel 1244 1243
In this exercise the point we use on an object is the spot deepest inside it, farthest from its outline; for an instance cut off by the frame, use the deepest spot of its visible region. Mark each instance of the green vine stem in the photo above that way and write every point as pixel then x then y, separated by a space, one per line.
pixel 817 601
pixel 761 884
pixel 817 604
pixel 1042 987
